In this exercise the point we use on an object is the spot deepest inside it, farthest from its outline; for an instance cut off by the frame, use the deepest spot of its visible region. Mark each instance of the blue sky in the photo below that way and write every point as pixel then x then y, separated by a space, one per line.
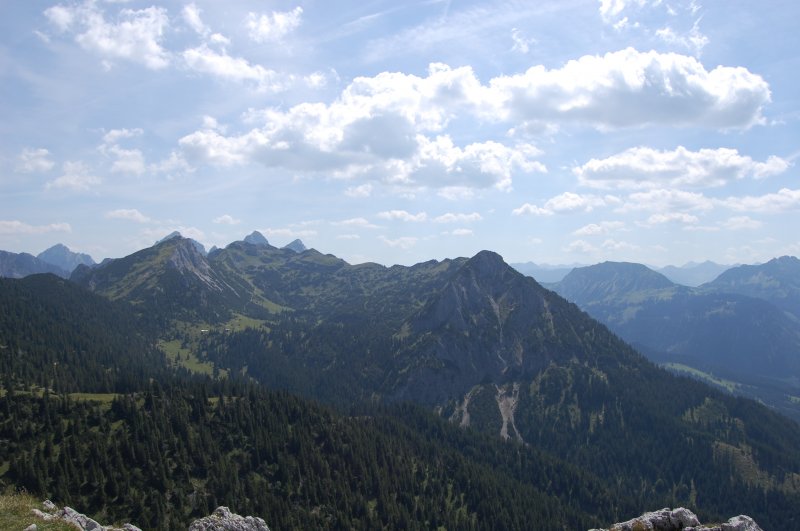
pixel 654 131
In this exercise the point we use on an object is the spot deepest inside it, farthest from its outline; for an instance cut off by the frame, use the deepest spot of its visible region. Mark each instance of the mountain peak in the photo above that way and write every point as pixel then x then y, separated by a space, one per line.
pixel 609 279
pixel 172 235
pixel 60 256
pixel 297 246
pixel 256 238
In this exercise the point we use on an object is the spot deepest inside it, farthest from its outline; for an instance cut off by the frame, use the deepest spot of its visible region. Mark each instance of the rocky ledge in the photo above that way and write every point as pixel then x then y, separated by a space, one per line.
pixel 221 520
pixel 681 519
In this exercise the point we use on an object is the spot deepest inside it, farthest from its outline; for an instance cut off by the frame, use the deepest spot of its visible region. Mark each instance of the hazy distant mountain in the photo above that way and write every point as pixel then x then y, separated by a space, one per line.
pixel 296 246
pixel 743 339
pixel 693 274
pixel 256 238
pixel 544 273
pixel 19 265
pixel 777 281
pixel 60 255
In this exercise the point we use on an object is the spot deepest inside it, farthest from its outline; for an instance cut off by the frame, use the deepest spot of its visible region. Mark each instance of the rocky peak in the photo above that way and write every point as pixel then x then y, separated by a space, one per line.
pixel 187 259
pixel 59 255
pixel 296 246
pixel 681 519
pixel 256 238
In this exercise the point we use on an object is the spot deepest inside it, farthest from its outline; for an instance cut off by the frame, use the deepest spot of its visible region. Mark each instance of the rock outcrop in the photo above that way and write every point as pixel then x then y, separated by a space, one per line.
pixel 221 520
pixel 75 519
pixel 224 520
pixel 681 519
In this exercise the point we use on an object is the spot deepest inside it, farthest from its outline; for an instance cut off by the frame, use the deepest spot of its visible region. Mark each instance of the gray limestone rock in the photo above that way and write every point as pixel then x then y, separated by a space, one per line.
pixel 680 519
pixel 224 520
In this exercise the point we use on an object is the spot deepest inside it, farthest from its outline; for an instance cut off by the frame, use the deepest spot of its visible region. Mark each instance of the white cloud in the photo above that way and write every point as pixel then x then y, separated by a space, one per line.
pixel 19 227
pixel 136 36
pixel 693 40
pixel 191 15
pixel 34 161
pixel 115 135
pixel 629 88
pixel 273 26
pixel 172 166
pixel 450 217
pixel 356 222
pixel 403 242
pixel 205 60
pixel 522 44
pixel 130 214
pixel 402 215
pixel 362 190
pixel 456 193
pixel 76 176
pixel 666 200
pixel 289 232
pixel 348 237
pixel 567 202
pixel 604 227
pixel 643 167
pixel 742 223
pixel 785 199
pixel 128 160
pixel 581 246
pixel 610 9
pixel 670 217
pixel 614 245
pixel 226 219
pixel 461 232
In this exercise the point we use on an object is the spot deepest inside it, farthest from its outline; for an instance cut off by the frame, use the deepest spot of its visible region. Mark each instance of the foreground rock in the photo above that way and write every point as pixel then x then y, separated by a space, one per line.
pixel 681 519
pixel 224 520
pixel 74 518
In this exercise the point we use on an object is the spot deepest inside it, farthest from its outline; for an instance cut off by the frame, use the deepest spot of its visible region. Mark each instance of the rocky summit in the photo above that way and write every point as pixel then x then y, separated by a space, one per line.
pixel 224 520
pixel 681 519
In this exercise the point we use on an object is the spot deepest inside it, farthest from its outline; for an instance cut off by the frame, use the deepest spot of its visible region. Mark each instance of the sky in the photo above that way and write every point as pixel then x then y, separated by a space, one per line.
pixel 557 132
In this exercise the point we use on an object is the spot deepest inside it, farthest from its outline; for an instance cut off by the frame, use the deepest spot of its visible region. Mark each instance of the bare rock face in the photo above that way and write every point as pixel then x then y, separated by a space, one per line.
pixel 224 520
pixel 681 519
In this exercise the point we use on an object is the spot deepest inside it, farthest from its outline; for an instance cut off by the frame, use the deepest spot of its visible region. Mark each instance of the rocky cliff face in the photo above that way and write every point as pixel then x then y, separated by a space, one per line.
pixel 681 519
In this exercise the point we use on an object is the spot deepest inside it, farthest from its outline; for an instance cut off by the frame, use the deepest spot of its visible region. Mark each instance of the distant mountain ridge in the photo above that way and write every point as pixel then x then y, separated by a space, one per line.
pixel 713 329
pixel 20 265
pixel 60 255
pixel 776 281
pixel 693 274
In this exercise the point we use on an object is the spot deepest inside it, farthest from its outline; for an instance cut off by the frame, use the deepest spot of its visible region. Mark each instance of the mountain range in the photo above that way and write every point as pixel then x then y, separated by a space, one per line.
pixel 737 331
pixel 486 348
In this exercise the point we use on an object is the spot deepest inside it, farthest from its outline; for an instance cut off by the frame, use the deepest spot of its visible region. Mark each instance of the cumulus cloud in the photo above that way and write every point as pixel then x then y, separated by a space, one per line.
pixel 191 15
pixel 629 88
pixel 135 36
pixel 450 217
pixel 781 201
pixel 742 223
pixel 205 60
pixel 356 222
pixel 34 161
pixel 226 219
pixel 604 227
pixel 76 176
pixel 461 232
pixel 666 200
pixel 581 246
pixel 20 227
pixel 130 214
pixel 403 242
pixel 127 160
pixel 643 167
pixel 567 202
pixel 273 26
pixel 402 215
pixel 362 190
pixel 115 135
pixel 672 217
